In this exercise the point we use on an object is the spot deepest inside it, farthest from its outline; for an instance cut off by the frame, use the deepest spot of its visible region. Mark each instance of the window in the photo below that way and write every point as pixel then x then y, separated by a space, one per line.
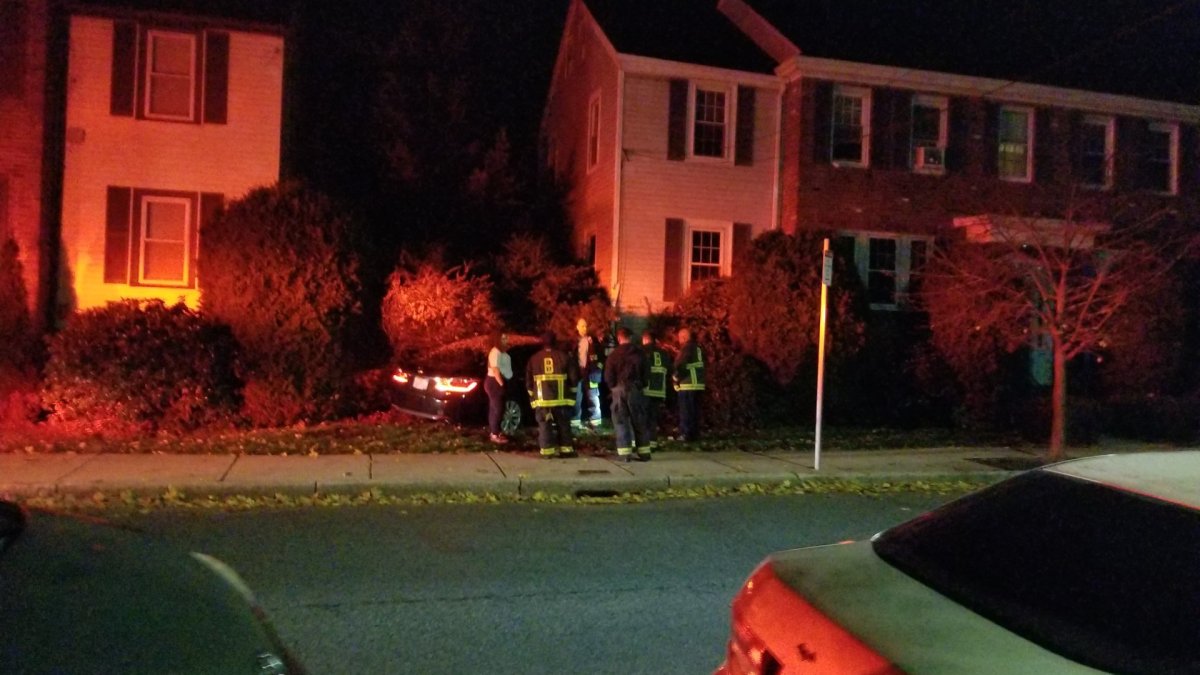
pixel 929 123
pixel 704 260
pixel 890 265
pixel 1015 136
pixel 170 75
pixel 710 119
pixel 851 126
pixel 165 242
pixel 1160 164
pixel 1096 137
pixel 593 137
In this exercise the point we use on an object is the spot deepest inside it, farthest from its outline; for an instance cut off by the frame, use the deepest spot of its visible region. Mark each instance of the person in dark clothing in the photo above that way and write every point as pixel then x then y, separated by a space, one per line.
pixel 550 378
pixel 587 360
pixel 688 377
pixel 658 366
pixel 626 375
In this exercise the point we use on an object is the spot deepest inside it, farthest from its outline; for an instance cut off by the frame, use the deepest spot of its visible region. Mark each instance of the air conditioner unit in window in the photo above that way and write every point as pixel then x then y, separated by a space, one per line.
pixel 929 158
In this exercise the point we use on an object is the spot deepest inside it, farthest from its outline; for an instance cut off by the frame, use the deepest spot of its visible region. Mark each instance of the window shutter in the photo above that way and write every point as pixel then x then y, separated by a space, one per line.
pixel 677 120
pixel 117 240
pixel 210 205
pixel 1075 145
pixel 958 136
pixel 891 116
pixel 822 121
pixel 673 261
pixel 1044 142
pixel 14 29
pixel 741 244
pixel 216 77
pixel 991 140
pixel 1189 172
pixel 1131 139
pixel 124 63
pixel 743 151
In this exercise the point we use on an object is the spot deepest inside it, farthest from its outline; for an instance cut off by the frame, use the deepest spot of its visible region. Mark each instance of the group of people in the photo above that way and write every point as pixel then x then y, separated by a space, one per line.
pixel 564 389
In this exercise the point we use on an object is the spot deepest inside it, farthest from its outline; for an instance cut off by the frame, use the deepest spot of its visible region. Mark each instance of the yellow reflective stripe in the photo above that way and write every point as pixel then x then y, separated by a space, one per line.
pixel 538 401
pixel 690 387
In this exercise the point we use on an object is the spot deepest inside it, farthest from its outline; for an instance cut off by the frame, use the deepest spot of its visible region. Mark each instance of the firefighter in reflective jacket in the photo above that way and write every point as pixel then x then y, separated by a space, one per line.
pixel 550 377
pixel 658 365
pixel 689 382
pixel 625 373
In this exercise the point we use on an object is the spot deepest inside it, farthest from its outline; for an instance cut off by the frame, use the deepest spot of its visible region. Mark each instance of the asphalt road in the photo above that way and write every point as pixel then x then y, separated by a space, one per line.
pixel 638 588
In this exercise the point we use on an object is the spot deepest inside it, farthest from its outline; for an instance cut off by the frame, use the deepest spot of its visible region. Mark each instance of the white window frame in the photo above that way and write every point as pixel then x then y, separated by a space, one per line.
pixel 151 36
pixel 592 151
pixel 942 104
pixel 1030 129
pixel 903 270
pixel 725 229
pixel 1110 144
pixel 719 87
pixel 864 96
pixel 1171 128
pixel 143 206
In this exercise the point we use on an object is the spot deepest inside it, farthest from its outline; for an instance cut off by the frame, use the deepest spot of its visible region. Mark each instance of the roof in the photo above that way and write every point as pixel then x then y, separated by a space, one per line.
pixel 688 31
pixel 1169 476
pixel 1143 48
pixel 264 16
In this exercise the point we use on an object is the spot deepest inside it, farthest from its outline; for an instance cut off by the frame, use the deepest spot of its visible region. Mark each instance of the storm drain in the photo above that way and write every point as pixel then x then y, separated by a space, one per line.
pixel 589 472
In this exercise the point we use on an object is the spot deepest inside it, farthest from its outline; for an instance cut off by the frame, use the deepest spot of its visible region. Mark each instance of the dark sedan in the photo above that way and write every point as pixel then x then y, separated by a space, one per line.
pixel 79 596
pixel 447 384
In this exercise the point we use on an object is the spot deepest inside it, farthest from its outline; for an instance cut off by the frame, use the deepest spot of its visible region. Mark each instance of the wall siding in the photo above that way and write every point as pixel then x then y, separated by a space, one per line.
pixel 104 150
pixel 655 188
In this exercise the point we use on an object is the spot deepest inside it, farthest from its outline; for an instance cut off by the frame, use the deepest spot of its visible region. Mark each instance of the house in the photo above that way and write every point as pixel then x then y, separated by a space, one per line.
pixel 167 117
pixel 667 134
pixel 24 187
pixel 888 156
pixel 121 131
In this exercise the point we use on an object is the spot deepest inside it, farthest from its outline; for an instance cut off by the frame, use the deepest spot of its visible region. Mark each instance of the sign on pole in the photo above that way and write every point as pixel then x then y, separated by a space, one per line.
pixel 826 282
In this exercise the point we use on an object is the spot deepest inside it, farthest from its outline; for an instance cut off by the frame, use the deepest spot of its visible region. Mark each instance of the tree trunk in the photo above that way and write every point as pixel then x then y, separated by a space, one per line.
pixel 1058 405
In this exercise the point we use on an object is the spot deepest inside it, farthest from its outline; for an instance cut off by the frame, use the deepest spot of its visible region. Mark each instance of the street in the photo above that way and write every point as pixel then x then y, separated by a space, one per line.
pixel 622 588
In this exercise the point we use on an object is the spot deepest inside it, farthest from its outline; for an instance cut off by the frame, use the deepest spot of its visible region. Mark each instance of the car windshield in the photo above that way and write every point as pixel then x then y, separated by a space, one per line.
pixel 1102 576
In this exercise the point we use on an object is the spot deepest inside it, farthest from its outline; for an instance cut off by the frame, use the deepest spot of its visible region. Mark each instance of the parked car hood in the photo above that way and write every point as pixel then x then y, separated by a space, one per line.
pixel 916 628
pixel 78 596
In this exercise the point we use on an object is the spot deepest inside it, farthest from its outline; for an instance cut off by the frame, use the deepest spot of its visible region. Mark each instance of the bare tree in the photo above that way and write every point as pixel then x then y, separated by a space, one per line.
pixel 1008 281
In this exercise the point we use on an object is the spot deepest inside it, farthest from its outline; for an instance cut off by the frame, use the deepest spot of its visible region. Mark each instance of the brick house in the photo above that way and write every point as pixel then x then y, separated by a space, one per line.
pixel 152 121
pixel 669 149
pixel 889 157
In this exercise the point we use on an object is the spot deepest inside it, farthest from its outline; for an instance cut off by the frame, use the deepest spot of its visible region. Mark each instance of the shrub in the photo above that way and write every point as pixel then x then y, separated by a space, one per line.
pixel 425 307
pixel 144 364
pixel 16 330
pixel 280 266
pixel 536 293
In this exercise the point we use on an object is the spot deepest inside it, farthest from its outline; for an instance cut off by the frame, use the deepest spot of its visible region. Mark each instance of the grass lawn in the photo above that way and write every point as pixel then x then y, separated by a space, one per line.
pixel 396 434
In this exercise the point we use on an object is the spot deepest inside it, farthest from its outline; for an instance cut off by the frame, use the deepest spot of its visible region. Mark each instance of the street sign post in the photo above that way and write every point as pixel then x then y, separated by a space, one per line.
pixel 826 282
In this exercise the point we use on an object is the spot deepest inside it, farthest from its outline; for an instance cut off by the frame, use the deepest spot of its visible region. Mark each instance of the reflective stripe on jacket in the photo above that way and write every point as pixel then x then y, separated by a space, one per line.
pixel 656 360
pixel 689 368
pixel 549 380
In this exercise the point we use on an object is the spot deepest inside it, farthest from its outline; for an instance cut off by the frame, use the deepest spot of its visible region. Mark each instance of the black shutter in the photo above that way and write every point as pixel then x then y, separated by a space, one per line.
pixel 958 136
pixel 677 120
pixel 118 243
pixel 210 205
pixel 1189 172
pixel 743 149
pixel 216 77
pixel 1075 148
pixel 822 121
pixel 741 244
pixel 991 140
pixel 1044 142
pixel 124 64
pixel 1131 140
pixel 901 131
pixel 891 117
pixel 673 261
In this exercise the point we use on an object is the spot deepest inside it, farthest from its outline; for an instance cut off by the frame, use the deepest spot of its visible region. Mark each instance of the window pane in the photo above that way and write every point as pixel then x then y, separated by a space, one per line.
pixel 847 128
pixel 705 255
pixel 170 75
pixel 926 125
pixel 708 133
pixel 166 221
pixel 172 55
pixel 162 262
pixel 170 95
pixel 164 240
pixel 881 271
pixel 1014 144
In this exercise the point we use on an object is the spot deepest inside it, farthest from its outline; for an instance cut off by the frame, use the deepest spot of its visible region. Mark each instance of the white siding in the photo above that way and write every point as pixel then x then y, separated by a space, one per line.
pixel 104 150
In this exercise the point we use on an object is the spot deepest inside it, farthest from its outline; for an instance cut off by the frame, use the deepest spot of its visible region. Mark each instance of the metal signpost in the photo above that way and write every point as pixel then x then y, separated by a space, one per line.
pixel 826 282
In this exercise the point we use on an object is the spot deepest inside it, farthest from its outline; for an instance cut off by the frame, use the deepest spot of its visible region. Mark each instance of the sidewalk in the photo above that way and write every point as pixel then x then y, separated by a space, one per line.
pixel 500 473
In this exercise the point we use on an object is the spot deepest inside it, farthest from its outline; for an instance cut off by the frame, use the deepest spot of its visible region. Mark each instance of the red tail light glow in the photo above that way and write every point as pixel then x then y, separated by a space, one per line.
pixel 455 385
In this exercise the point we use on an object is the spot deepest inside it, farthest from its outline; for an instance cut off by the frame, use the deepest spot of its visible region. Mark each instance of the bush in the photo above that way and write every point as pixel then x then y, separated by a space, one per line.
pixel 1153 418
pixel 425 307
pixel 281 267
pixel 16 330
pixel 141 364
pixel 536 293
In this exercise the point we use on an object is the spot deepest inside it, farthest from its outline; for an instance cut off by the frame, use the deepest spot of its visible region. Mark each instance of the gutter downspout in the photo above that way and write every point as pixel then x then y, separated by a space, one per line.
pixel 618 273
pixel 776 191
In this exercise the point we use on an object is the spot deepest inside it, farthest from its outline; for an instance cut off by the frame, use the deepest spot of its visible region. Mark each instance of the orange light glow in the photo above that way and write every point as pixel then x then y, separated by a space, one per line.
pixel 455 385
pixel 400 376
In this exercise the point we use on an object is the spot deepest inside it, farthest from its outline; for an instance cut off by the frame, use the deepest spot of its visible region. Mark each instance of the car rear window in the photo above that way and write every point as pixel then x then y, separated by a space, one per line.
pixel 1102 576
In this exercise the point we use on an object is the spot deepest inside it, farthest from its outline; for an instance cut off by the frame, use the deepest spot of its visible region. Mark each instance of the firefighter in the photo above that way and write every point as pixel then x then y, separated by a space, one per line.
pixel 587 360
pixel 688 377
pixel 658 365
pixel 626 376
pixel 550 377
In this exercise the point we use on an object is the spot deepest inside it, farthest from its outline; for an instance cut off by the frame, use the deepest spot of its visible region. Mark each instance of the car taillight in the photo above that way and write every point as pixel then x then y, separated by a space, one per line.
pixel 455 385
pixel 746 654
pixel 400 376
